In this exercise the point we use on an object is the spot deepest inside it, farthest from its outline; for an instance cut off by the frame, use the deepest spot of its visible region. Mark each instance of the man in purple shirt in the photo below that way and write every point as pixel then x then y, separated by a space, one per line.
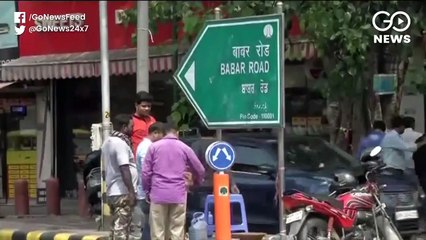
pixel 163 180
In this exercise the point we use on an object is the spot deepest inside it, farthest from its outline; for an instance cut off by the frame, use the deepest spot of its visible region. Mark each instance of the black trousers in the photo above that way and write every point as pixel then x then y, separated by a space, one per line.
pixel 422 181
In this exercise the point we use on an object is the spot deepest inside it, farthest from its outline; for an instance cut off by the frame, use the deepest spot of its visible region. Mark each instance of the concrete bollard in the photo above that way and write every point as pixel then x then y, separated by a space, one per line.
pixel 53 198
pixel 83 204
pixel 22 199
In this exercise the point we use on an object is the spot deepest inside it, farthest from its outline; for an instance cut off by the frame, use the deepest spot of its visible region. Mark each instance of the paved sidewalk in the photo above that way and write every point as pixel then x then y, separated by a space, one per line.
pixel 68 207
pixel 39 226
pixel 50 227
pixel 48 223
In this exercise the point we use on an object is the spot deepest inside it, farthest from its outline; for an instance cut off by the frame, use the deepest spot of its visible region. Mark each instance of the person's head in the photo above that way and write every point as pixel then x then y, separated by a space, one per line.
pixel 143 103
pixel 397 123
pixel 379 125
pixel 171 128
pixel 156 131
pixel 123 123
pixel 409 122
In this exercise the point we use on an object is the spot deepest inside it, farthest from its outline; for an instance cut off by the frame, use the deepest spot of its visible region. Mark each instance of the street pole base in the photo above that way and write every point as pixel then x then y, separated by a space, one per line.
pixel 283 236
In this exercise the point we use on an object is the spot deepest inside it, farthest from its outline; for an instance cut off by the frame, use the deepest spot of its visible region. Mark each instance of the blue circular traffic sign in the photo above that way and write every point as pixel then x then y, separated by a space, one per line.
pixel 220 156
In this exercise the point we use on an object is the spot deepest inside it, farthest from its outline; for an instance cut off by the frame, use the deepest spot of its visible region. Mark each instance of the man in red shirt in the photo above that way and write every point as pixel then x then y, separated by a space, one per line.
pixel 142 118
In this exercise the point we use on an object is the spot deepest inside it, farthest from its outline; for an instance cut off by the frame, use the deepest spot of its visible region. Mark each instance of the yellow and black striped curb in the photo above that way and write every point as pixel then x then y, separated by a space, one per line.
pixel 11 234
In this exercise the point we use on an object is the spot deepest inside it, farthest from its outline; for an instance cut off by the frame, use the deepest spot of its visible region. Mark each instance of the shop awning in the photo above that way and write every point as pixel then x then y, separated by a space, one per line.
pixel 5 84
pixel 78 65
pixel 122 62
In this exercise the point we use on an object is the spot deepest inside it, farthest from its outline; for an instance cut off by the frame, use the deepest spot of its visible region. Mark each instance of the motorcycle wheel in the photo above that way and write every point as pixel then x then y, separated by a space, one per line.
pixel 315 228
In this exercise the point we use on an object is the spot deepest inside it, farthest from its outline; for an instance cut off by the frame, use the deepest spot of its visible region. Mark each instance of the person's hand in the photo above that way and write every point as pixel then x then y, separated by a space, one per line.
pixel 234 189
pixel 147 199
pixel 131 199
pixel 189 181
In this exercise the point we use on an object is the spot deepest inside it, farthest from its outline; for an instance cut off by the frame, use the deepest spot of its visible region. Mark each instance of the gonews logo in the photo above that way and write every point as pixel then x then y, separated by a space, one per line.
pixel 19 18
pixel 399 21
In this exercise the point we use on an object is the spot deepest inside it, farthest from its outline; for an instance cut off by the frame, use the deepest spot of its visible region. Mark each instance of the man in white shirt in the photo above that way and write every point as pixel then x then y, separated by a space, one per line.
pixel 395 149
pixel 409 137
pixel 155 132
pixel 121 176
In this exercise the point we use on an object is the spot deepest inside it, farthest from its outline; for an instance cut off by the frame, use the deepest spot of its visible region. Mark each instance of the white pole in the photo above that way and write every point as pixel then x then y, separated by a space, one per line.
pixel 142 72
pixel 106 121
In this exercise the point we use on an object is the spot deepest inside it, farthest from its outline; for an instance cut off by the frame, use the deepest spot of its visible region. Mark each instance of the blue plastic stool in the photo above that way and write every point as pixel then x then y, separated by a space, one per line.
pixel 234 198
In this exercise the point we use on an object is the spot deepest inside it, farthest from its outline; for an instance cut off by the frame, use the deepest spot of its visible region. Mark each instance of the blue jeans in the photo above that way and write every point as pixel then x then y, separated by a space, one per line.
pixel 146 233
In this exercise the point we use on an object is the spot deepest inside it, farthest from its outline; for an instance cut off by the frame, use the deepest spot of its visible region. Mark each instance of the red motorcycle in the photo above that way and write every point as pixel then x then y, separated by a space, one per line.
pixel 355 214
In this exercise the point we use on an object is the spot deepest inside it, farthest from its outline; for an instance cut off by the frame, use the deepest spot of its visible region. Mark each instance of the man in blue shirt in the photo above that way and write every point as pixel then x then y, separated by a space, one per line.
pixel 373 139
pixel 155 133
pixel 395 149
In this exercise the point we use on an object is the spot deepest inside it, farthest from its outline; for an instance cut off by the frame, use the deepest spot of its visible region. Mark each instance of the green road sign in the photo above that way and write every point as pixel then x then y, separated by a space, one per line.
pixel 233 74
pixel 384 83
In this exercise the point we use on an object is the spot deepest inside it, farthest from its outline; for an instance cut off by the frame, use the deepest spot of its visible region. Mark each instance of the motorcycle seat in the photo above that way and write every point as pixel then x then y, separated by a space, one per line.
pixel 330 200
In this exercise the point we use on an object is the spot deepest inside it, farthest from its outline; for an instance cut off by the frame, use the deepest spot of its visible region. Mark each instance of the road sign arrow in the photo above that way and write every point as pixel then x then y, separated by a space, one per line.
pixel 216 154
pixel 228 157
pixel 190 76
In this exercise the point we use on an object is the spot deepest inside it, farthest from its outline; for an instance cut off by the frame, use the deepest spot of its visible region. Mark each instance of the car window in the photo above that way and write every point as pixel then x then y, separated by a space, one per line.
pixel 315 155
pixel 254 156
pixel 308 154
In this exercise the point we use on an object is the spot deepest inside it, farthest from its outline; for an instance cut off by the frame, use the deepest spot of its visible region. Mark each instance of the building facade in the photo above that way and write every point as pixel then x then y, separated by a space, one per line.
pixel 50 87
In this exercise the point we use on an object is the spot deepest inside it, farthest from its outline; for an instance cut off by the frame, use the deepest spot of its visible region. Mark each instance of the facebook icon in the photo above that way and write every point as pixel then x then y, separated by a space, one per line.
pixel 19 18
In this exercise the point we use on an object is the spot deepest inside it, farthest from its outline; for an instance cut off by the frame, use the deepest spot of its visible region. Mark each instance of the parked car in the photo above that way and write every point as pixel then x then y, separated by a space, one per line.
pixel 254 172
pixel 311 167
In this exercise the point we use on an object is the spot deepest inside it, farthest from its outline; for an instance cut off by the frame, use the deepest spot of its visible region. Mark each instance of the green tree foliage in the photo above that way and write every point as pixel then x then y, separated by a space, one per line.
pixel 193 14
pixel 341 31
pixel 343 35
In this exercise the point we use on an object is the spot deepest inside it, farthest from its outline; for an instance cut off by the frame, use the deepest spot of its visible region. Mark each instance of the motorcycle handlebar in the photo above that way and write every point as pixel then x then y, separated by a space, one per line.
pixel 374 169
pixel 381 166
pixel 373 166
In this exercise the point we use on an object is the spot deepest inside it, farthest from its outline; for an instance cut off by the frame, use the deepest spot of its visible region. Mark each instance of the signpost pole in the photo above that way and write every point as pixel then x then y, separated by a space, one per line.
pixel 222 205
pixel 281 162
pixel 106 123
pixel 220 156
pixel 217 17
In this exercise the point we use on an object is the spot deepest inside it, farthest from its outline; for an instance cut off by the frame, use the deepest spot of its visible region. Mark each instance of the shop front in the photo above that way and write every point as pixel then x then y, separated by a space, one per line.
pixel 76 104
pixel 23 129
pixel 67 66
pixel 60 72
pixel 305 104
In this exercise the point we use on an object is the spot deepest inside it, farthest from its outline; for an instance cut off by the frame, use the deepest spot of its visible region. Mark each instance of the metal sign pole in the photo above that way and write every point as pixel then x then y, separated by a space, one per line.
pixel 106 122
pixel 217 17
pixel 220 156
pixel 281 183
pixel 281 161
